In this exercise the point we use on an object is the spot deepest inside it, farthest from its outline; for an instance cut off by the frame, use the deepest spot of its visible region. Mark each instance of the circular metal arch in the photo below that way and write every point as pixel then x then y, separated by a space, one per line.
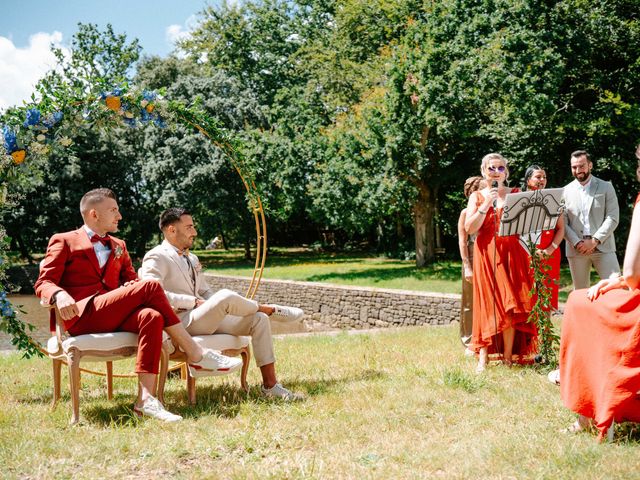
pixel 255 203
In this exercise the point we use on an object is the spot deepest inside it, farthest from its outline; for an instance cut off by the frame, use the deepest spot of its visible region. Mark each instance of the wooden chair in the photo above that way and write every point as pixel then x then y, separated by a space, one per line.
pixel 229 345
pixel 95 347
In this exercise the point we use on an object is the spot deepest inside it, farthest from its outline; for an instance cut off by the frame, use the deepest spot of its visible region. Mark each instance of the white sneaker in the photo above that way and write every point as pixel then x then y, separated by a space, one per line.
pixel 214 363
pixel 278 391
pixel 154 409
pixel 286 314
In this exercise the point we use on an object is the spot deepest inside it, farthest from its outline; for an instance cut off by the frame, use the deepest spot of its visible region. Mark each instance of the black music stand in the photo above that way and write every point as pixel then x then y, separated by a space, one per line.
pixel 528 214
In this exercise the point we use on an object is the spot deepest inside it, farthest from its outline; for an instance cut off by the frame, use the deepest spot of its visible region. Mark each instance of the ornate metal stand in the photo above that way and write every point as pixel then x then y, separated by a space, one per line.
pixel 528 214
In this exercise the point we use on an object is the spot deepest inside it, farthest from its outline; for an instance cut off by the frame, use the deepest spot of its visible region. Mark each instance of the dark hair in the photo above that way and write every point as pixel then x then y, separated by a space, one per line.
pixel 93 197
pixel 638 153
pixel 171 215
pixel 581 153
pixel 528 174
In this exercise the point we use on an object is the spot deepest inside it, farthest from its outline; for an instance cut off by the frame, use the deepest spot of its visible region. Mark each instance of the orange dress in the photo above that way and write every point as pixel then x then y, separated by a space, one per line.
pixel 554 262
pixel 501 286
pixel 600 356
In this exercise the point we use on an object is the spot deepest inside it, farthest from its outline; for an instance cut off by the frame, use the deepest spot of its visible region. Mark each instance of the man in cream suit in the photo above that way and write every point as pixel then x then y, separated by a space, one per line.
pixel 591 216
pixel 204 311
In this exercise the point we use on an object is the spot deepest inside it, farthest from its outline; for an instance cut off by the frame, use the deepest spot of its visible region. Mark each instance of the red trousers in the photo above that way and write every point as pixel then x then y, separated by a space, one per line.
pixel 140 308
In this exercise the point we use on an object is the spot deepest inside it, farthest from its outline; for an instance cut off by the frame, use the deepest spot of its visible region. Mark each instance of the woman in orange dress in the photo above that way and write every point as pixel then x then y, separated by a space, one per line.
pixel 465 245
pixel 535 178
pixel 501 279
pixel 600 344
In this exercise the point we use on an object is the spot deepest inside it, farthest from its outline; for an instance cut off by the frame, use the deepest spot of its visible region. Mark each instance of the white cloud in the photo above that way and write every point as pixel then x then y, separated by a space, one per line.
pixel 21 68
pixel 175 33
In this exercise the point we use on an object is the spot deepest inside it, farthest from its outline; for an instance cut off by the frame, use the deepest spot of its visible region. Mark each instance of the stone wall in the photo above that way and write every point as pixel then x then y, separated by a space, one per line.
pixel 351 307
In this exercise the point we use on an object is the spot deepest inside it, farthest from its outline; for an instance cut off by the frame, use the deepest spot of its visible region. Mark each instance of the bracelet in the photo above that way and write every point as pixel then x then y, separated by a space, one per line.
pixel 481 212
pixel 554 245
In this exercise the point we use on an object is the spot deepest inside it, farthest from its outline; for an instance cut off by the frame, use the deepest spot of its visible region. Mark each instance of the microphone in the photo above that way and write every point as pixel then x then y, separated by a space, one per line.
pixel 494 184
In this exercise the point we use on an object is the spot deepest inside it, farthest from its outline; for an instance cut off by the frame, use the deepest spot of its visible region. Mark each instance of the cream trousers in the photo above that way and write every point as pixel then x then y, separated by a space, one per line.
pixel 228 312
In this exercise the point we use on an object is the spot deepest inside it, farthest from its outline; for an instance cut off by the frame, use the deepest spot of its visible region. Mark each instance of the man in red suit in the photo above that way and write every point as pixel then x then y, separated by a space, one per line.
pixel 88 275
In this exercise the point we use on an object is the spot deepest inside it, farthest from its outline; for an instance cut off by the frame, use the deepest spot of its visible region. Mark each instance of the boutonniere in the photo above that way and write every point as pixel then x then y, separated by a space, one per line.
pixel 198 267
pixel 118 251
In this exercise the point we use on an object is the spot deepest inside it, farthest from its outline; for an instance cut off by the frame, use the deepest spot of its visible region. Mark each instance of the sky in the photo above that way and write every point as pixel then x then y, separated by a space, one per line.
pixel 29 27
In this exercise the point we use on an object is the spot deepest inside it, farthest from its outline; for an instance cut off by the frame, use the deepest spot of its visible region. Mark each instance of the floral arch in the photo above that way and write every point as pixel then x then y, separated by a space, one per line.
pixel 42 129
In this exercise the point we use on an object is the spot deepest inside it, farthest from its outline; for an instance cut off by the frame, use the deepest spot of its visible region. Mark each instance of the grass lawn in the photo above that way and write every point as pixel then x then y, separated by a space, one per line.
pixel 355 269
pixel 393 404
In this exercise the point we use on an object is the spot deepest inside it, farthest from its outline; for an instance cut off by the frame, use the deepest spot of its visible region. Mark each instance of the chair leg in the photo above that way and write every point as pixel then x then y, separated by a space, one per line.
pixel 57 365
pixel 611 431
pixel 246 357
pixel 73 358
pixel 110 380
pixel 162 375
pixel 191 388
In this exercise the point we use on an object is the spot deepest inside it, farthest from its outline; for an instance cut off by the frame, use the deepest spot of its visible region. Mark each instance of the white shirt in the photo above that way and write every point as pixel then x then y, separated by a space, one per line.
pixel 102 251
pixel 584 204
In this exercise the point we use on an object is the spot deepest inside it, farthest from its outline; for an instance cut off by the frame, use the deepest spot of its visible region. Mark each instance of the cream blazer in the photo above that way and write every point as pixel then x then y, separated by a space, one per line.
pixel 164 264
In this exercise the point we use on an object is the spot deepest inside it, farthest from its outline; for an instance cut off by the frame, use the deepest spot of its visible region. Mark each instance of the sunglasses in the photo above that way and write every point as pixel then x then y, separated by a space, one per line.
pixel 500 169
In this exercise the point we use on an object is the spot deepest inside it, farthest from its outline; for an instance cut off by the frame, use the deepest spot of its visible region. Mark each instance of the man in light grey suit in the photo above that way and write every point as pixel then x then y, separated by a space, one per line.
pixel 591 216
pixel 204 311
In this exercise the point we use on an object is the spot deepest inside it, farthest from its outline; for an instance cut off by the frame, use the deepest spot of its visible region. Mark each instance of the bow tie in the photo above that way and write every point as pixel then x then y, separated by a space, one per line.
pixel 103 240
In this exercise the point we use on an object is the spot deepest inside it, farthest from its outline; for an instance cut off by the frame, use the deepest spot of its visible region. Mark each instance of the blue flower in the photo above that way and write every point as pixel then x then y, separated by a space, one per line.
pixel 160 122
pixel 10 140
pixel 116 92
pixel 146 117
pixel 149 95
pixel 51 120
pixel 131 122
pixel 33 117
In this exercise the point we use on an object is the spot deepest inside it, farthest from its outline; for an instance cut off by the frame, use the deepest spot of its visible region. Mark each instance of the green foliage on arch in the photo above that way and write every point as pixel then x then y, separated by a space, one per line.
pixel 31 134
pixel 42 129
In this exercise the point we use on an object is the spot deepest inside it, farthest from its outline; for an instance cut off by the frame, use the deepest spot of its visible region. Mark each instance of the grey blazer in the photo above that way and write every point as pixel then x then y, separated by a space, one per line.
pixel 603 215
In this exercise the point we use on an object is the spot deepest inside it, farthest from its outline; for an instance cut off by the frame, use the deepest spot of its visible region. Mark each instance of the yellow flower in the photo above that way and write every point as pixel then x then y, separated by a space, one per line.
pixel 18 156
pixel 41 138
pixel 113 103
pixel 65 141
pixel 150 107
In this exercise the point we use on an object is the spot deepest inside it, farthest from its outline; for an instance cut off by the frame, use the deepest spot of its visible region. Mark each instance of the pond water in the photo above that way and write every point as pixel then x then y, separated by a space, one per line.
pixel 38 316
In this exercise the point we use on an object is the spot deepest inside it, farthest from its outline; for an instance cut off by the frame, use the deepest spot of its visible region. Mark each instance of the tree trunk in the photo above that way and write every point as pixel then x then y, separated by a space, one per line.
pixel 24 251
pixel 423 216
pixel 436 225
pixel 247 250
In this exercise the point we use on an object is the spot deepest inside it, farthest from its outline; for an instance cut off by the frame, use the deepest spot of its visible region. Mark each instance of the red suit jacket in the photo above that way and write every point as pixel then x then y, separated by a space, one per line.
pixel 71 264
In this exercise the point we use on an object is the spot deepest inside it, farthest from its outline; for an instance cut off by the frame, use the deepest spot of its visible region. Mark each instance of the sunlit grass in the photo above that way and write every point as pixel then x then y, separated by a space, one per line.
pixel 394 404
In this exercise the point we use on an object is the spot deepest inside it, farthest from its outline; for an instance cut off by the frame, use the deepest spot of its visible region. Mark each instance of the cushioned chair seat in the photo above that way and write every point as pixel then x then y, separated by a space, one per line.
pixel 96 342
